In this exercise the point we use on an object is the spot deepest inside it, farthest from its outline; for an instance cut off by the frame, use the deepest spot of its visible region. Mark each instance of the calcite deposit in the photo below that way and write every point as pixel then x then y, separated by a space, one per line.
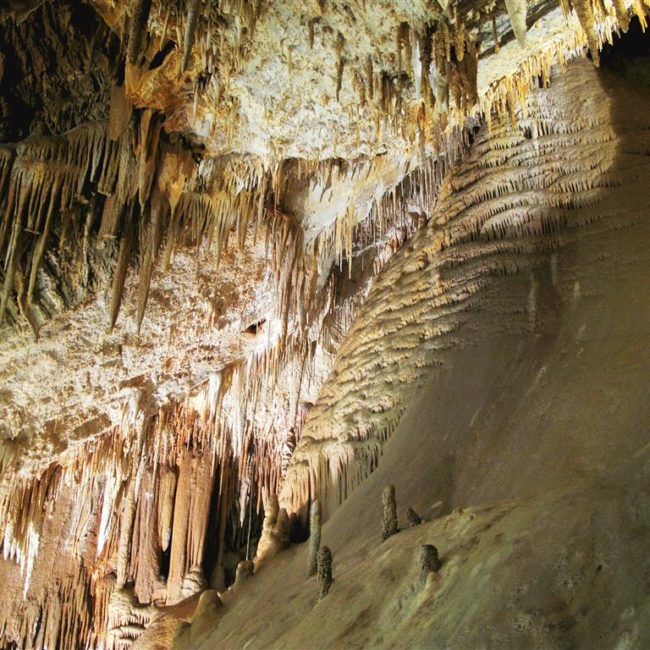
pixel 260 258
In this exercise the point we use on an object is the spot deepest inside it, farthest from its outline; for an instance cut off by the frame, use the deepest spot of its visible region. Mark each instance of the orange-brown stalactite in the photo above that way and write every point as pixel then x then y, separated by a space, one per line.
pixel 139 20
pixel 166 494
pixel 145 556
pixel 191 511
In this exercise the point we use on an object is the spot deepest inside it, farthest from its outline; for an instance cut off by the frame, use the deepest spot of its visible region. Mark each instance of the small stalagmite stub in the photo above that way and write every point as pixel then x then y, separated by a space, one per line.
pixel 429 562
pixel 324 571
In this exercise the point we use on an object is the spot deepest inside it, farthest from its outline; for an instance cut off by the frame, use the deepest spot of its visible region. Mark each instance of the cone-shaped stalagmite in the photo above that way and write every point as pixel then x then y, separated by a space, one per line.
pixel 206 615
pixel 244 571
pixel 413 518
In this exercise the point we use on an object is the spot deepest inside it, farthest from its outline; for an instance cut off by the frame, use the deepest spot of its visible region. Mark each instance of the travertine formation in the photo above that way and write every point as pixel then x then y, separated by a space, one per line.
pixel 234 237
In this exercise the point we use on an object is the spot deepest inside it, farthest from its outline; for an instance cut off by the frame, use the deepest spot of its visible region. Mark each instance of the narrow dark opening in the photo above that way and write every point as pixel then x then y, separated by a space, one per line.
pixel 164 562
pixel 162 54
pixel 256 327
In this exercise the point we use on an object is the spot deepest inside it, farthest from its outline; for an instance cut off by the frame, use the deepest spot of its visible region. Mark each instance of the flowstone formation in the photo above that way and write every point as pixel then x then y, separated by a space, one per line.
pixel 234 237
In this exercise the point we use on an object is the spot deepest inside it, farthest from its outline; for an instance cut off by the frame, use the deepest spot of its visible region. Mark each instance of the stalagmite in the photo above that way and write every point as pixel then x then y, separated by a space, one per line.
pixel 206 616
pixel 191 511
pixel 324 571
pixel 244 572
pixel 429 562
pixel 314 536
pixel 275 531
pixel 389 517
pixel 413 518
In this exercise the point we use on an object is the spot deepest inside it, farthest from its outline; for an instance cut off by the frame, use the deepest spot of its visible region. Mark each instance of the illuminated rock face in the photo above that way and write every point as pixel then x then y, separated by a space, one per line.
pixel 231 258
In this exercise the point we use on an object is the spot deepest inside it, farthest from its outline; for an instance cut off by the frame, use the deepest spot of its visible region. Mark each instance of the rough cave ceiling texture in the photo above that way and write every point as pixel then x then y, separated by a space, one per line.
pixel 203 215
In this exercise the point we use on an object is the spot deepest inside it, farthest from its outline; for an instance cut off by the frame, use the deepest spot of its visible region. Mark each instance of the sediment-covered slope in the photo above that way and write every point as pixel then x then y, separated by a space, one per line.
pixel 504 353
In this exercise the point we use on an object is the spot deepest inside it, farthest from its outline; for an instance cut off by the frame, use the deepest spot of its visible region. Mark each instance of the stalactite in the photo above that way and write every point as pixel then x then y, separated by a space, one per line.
pixel 119 114
pixel 190 32
pixel 493 209
pixel 11 264
pixel 146 550
pixel 119 162
pixel 495 35
pixel 191 509
pixel 587 18
pixel 119 277
pixel 370 77
pixel 139 21
pixel 640 13
pixel 622 14
pixel 166 497
pixel 340 64
pixel 150 240
pixel 131 547
pixel 439 71
pixel 517 10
